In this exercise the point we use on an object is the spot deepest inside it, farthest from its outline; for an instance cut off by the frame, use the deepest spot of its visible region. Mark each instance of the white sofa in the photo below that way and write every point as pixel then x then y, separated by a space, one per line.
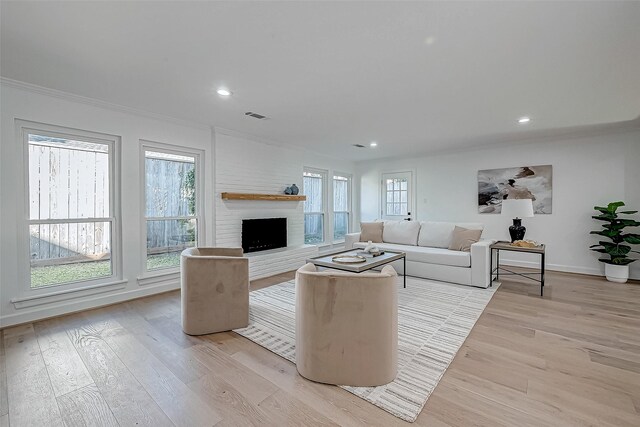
pixel 426 244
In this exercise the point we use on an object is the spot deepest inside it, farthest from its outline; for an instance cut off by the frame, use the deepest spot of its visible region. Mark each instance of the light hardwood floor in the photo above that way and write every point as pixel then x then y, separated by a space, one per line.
pixel 570 358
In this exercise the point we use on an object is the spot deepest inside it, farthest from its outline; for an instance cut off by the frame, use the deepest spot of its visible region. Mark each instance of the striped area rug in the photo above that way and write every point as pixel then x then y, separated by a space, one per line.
pixel 434 319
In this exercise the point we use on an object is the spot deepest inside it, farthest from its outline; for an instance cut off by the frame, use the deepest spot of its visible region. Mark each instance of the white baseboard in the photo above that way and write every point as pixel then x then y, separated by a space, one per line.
pixel 74 306
pixel 552 267
pixel 559 267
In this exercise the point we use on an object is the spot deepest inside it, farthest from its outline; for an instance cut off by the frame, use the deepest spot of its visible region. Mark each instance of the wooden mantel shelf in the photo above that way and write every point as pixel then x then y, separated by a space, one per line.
pixel 255 196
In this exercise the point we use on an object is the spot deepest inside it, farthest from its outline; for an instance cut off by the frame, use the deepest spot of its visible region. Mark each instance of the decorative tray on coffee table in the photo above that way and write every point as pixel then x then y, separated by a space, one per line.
pixel 348 259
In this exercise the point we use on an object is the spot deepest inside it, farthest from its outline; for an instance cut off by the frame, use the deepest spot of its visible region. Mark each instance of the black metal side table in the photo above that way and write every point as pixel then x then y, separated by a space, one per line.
pixel 507 246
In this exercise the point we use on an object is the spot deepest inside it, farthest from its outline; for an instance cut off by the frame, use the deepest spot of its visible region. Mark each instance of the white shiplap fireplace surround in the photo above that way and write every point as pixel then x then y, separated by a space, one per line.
pixel 245 166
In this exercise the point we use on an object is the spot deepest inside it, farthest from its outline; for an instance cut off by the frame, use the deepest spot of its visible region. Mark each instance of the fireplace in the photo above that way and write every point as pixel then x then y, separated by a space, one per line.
pixel 262 234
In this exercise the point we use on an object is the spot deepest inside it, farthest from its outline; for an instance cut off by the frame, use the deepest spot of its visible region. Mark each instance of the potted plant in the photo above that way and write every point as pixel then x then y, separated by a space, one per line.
pixel 616 265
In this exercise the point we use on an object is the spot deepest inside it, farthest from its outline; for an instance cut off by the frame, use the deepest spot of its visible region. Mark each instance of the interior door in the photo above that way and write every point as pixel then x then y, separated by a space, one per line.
pixel 397 200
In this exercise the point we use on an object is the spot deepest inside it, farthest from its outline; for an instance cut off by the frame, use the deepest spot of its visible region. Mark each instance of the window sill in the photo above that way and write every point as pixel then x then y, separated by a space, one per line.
pixel 155 278
pixel 67 294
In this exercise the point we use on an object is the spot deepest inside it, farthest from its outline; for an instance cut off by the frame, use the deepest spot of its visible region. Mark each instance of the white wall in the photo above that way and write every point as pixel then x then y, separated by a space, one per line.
pixel 587 171
pixel 246 165
pixel 50 107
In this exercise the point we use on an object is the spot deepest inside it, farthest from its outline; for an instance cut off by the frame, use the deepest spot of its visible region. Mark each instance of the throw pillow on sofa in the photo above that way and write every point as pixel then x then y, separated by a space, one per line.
pixel 371 231
pixel 463 238
pixel 401 232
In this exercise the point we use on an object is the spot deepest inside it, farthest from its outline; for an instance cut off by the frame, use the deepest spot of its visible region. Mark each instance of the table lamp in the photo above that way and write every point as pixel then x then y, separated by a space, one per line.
pixel 517 209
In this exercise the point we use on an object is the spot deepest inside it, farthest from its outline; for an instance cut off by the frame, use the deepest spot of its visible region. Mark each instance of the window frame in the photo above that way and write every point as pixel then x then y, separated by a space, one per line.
pixel 325 208
pixel 349 212
pixel 23 129
pixel 198 155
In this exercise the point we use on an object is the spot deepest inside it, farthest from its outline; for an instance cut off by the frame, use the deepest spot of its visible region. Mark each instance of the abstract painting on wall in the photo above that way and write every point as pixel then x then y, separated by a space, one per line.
pixel 526 182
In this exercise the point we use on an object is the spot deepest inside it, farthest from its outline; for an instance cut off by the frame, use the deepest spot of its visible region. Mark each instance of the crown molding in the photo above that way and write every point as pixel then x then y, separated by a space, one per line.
pixel 29 87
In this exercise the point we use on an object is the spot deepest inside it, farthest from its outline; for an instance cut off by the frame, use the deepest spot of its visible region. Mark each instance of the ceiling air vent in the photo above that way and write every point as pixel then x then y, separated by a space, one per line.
pixel 255 115
pixel 359 145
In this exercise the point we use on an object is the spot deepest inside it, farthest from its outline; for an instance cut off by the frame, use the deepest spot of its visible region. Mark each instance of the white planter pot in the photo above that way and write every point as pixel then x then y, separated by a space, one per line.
pixel 616 273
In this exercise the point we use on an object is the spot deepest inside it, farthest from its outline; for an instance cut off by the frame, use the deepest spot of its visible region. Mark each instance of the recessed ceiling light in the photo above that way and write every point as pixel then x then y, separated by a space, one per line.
pixel 223 92
pixel 373 144
pixel 524 120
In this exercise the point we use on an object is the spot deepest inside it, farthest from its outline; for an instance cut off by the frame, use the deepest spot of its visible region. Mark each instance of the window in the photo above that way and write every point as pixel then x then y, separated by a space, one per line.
pixel 171 205
pixel 396 195
pixel 314 206
pixel 71 206
pixel 341 206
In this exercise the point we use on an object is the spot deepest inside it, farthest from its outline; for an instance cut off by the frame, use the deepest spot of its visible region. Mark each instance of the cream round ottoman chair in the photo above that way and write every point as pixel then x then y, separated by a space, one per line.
pixel 215 290
pixel 347 326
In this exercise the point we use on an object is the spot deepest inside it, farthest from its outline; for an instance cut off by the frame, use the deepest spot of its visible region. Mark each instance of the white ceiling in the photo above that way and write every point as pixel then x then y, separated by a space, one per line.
pixel 414 76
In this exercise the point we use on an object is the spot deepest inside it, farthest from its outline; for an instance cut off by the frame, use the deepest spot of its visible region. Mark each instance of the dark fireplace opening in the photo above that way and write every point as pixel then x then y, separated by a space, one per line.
pixel 264 233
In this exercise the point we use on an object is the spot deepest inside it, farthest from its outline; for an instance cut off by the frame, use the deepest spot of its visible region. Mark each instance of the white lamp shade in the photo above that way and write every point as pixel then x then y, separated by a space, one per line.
pixel 517 208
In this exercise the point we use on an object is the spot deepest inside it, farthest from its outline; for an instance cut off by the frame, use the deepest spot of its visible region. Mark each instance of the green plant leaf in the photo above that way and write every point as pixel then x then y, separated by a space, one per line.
pixel 628 212
pixel 632 238
pixel 614 226
pixel 607 233
pixel 629 222
pixel 613 206
pixel 605 217
pixel 614 249
pixel 602 251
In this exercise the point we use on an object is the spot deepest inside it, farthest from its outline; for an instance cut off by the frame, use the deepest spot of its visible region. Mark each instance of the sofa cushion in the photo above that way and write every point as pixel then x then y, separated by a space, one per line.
pixel 437 234
pixel 440 256
pixel 401 232
pixel 463 238
pixel 371 231
pixel 426 255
